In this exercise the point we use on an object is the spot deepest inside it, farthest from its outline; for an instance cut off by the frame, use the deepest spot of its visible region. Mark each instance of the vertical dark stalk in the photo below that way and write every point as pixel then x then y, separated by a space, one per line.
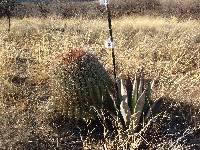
pixel 8 14
pixel 9 22
pixel 117 98
pixel 113 51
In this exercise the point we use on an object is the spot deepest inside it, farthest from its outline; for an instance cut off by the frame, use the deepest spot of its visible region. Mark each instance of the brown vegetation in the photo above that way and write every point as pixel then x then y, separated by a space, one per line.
pixel 167 48
pixel 91 9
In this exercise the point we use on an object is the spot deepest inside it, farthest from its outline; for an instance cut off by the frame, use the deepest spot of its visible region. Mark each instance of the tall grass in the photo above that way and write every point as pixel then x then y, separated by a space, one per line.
pixel 167 48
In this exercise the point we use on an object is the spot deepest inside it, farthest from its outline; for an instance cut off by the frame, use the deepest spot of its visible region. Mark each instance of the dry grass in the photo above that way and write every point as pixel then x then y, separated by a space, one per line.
pixel 168 49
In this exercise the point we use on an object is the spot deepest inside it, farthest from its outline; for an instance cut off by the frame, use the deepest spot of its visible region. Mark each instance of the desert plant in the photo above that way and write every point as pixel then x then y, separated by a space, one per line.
pixel 135 99
pixel 82 82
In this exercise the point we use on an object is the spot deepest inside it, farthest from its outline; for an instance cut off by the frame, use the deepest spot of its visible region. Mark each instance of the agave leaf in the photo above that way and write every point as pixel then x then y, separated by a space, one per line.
pixel 119 113
pixel 113 98
pixel 123 91
pixel 152 84
pixel 141 84
pixel 139 108
pixel 133 101
pixel 125 111
pixel 149 90
pixel 129 89
pixel 124 108
pixel 147 98
pixel 111 95
pixel 111 103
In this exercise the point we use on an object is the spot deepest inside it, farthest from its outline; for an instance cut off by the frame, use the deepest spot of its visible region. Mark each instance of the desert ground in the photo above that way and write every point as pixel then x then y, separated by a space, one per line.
pixel 34 107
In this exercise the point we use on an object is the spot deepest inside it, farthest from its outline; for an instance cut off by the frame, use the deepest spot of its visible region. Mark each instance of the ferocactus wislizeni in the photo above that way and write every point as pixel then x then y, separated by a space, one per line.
pixel 83 83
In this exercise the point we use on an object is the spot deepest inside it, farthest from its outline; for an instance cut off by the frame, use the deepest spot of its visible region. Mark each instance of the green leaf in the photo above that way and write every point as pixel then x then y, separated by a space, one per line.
pixel 123 91
pixel 139 108
pixel 124 108
pixel 141 83
pixel 125 111
pixel 134 95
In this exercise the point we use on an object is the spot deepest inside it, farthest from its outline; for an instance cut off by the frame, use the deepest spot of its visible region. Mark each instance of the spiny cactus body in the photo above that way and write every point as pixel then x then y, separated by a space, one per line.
pixel 83 82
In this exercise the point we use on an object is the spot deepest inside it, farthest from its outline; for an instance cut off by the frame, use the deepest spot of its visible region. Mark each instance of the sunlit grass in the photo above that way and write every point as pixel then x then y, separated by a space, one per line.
pixel 167 48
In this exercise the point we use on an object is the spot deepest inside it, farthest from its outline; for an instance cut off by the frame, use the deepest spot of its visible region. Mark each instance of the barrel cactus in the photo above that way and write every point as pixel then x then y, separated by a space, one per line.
pixel 82 85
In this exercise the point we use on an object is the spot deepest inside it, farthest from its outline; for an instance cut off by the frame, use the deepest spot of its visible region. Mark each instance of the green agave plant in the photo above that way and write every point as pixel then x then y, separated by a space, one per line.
pixel 135 100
